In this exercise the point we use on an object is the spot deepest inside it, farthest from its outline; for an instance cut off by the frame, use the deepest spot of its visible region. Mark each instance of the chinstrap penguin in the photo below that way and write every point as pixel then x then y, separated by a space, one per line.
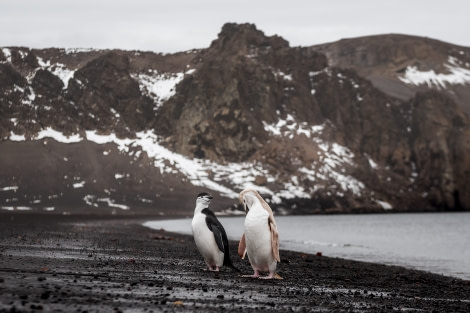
pixel 209 235
pixel 261 238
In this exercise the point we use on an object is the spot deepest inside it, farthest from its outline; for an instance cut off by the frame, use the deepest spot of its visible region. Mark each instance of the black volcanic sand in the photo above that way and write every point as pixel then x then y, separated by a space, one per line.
pixel 96 264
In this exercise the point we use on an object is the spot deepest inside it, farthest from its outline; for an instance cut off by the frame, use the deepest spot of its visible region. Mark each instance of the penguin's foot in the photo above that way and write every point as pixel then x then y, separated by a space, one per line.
pixel 214 269
pixel 255 275
pixel 251 276
pixel 266 277
pixel 271 276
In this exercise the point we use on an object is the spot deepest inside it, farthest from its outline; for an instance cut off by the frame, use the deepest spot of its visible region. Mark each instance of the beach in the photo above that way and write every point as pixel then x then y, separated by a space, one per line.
pixel 88 263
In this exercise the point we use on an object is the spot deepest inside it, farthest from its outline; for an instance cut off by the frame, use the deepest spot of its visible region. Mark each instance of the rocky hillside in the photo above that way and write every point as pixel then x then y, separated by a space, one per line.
pixel 361 125
pixel 402 65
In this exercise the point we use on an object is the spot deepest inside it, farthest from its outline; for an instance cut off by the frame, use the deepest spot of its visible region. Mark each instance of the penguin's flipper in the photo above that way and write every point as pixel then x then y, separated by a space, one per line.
pixel 274 238
pixel 217 229
pixel 218 238
pixel 242 247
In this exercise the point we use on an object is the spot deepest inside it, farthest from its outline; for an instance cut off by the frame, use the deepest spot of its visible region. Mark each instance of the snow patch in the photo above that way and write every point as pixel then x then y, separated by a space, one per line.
pixel 457 75
pixel 169 162
pixel 58 136
pixel 372 163
pixel 228 178
pixel 48 133
pixel 77 50
pixel 385 205
pixel 333 158
pixel 283 75
pixel 111 203
pixel 90 200
pixel 79 185
pixel 15 137
pixel 58 69
pixel 326 70
pixel 14 188
pixel 289 128
pixel 7 54
pixel 17 208
pixel 159 86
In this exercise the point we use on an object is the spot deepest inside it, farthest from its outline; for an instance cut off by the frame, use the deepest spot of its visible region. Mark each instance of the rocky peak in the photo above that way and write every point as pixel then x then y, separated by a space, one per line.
pixel 245 39
pixel 246 78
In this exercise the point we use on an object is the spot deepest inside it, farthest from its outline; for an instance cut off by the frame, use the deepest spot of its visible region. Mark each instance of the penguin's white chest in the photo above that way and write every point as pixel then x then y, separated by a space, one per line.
pixel 205 241
pixel 258 240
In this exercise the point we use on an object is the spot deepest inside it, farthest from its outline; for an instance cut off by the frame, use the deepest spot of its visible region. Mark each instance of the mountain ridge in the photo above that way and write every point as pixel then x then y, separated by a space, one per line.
pixel 312 128
pixel 392 55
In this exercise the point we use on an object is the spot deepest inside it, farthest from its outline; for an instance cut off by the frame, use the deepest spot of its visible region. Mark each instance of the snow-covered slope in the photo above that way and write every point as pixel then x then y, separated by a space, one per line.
pixel 458 74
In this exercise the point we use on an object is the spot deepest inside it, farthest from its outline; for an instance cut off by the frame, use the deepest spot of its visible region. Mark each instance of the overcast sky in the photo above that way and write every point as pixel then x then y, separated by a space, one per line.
pixel 179 25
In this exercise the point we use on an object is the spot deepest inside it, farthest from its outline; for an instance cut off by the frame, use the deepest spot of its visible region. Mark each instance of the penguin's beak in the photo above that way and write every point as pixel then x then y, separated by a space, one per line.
pixel 245 206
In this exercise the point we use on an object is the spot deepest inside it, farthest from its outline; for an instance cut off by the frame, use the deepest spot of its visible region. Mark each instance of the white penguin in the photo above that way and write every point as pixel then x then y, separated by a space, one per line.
pixel 261 238
pixel 209 235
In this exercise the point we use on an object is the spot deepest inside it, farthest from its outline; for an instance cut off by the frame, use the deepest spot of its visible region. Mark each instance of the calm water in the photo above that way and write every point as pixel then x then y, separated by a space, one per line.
pixel 438 243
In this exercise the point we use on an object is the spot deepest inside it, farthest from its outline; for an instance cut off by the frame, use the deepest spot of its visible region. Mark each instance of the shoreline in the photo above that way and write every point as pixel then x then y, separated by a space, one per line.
pixel 344 246
pixel 115 264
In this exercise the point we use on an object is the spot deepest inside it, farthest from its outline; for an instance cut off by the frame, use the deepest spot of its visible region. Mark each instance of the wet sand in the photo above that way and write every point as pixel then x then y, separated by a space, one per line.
pixel 60 263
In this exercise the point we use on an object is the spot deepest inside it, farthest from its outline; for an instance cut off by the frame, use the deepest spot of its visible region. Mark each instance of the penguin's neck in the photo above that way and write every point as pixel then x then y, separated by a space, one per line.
pixel 257 210
pixel 200 207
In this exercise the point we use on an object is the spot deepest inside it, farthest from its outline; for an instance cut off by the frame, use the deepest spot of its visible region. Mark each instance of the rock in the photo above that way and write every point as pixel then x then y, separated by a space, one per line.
pixel 47 84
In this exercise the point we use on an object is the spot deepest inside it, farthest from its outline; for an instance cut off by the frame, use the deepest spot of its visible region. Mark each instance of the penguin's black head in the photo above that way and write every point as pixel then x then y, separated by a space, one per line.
pixel 203 199
pixel 204 195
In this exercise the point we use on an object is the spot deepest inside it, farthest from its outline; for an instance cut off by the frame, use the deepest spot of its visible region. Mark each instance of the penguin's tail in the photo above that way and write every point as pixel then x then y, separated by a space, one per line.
pixel 228 262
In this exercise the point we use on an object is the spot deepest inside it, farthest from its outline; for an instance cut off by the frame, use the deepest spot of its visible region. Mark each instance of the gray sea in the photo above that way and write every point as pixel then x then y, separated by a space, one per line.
pixel 433 242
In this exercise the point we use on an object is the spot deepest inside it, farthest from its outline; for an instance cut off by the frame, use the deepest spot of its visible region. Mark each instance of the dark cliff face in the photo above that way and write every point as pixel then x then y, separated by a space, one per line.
pixel 436 109
pixel 340 127
pixel 218 111
pixel 439 143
